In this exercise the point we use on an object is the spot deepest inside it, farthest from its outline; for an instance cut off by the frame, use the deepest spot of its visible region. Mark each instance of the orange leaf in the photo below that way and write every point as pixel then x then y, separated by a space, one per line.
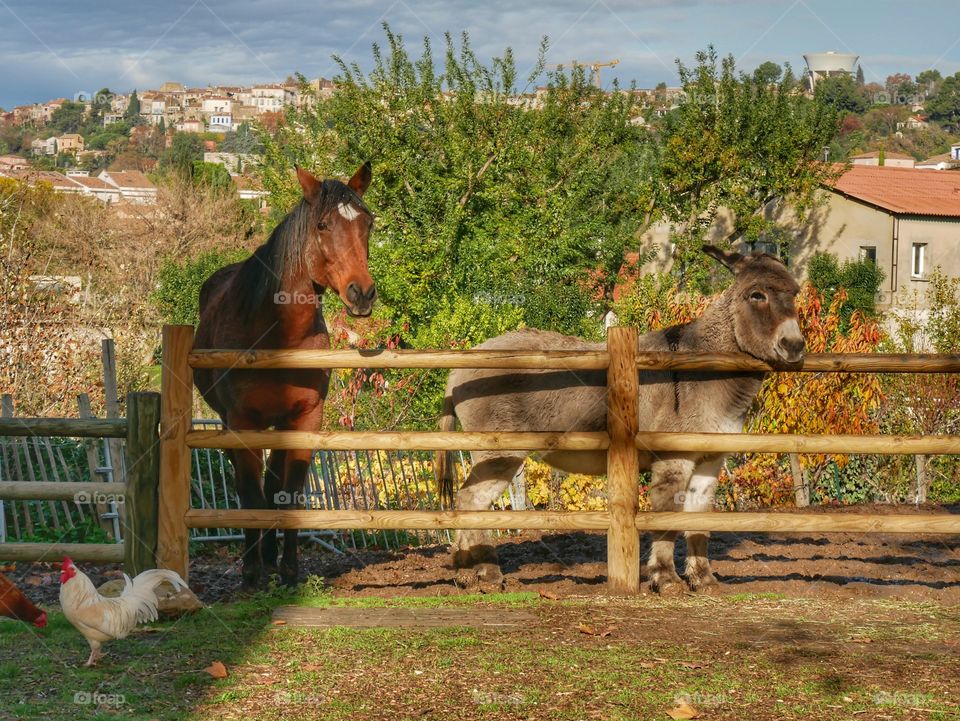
pixel 217 670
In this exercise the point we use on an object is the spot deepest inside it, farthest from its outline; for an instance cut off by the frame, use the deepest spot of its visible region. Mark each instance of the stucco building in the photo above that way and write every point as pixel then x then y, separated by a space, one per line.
pixel 906 220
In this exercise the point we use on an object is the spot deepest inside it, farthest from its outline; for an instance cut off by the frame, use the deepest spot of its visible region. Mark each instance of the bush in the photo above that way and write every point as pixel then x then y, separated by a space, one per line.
pixel 861 279
pixel 177 297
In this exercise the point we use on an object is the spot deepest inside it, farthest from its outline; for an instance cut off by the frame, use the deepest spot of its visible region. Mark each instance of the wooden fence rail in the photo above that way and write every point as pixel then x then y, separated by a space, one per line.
pixel 622 521
pixel 138 494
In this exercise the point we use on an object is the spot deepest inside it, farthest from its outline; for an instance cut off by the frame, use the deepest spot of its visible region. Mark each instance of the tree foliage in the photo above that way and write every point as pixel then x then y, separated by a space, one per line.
pixel 842 93
pixel 737 144
pixel 68 117
pixel 493 208
pixel 177 296
pixel 944 105
pixel 858 281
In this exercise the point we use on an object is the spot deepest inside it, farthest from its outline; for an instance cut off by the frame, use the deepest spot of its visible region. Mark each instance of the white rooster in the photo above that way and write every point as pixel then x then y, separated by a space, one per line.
pixel 101 619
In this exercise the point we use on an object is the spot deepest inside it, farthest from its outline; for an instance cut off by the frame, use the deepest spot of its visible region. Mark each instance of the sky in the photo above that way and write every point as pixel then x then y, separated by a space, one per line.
pixel 62 48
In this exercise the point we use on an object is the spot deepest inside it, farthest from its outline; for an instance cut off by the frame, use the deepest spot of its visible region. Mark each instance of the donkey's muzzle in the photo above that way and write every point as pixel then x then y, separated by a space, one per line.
pixel 791 350
pixel 359 301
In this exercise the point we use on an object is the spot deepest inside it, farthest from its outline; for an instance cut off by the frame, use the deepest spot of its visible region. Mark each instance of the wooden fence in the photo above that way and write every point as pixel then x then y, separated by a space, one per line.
pixel 138 494
pixel 622 521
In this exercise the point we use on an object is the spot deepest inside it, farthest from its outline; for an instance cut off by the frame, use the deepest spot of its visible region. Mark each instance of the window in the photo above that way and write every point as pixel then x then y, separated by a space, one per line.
pixel 918 265
pixel 868 252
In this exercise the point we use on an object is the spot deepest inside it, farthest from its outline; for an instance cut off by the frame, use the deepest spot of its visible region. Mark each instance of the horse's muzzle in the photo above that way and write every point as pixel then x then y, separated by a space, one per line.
pixel 359 301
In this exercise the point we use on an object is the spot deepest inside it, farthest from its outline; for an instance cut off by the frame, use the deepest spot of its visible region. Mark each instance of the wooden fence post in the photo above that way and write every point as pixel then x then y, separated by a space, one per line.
pixel 143 480
pixel 176 408
pixel 623 467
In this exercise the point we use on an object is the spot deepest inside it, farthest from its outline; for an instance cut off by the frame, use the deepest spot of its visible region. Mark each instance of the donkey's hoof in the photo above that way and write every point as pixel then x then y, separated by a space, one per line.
pixel 667 583
pixel 703 582
pixel 483 577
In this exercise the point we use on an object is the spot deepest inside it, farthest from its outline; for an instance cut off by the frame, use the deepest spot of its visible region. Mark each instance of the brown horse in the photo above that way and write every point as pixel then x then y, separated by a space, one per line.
pixel 756 315
pixel 273 300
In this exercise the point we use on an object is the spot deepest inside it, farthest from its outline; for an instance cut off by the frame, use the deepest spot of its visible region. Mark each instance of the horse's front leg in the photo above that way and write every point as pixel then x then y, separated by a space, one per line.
pixel 295 476
pixel 473 551
pixel 700 496
pixel 275 497
pixel 670 475
pixel 247 466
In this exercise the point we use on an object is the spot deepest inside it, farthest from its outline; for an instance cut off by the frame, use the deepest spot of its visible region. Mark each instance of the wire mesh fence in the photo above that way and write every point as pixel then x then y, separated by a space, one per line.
pixel 341 480
pixel 337 480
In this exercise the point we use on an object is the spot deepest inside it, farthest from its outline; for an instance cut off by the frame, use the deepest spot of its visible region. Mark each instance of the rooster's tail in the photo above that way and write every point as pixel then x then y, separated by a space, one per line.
pixel 141 591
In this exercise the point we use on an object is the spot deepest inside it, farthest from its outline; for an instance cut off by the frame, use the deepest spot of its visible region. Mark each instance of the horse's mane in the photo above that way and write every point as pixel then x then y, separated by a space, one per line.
pixel 264 273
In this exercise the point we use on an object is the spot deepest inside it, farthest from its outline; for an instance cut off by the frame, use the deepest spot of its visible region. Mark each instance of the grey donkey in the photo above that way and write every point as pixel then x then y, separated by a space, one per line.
pixel 756 315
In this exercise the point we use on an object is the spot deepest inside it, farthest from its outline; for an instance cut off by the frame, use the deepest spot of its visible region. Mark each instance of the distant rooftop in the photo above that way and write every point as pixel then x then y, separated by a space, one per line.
pixel 903 191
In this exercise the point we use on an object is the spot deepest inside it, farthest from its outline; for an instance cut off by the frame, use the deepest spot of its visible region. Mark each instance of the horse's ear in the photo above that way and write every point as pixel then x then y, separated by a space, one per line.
pixel 361 179
pixel 311 186
pixel 727 258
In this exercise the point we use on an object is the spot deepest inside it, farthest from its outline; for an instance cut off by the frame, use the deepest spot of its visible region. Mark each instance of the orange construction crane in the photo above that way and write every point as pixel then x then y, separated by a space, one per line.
pixel 594 67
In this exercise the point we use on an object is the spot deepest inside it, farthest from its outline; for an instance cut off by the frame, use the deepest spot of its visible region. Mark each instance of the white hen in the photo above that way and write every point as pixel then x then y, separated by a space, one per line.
pixel 101 619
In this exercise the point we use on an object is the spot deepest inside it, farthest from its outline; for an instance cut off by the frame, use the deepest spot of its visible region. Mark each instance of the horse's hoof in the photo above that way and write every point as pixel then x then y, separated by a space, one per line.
pixel 250 581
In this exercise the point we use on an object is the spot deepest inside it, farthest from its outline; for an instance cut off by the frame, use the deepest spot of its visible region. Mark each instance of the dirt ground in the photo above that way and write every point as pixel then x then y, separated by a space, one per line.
pixel 802 565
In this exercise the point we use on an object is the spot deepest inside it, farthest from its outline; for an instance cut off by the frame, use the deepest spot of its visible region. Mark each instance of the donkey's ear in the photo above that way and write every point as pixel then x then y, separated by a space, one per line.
pixel 728 258
pixel 361 179
pixel 311 186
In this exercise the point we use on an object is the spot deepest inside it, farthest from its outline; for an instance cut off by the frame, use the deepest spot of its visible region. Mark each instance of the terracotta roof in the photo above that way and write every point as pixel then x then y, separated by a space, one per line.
pixel 876 154
pixel 942 158
pixel 131 179
pixel 907 191
pixel 245 182
pixel 57 180
pixel 91 183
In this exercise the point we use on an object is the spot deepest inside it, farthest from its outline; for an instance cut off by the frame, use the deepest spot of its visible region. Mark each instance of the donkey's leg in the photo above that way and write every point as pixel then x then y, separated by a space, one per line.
pixel 700 495
pixel 273 494
pixel 669 477
pixel 247 466
pixel 295 477
pixel 473 551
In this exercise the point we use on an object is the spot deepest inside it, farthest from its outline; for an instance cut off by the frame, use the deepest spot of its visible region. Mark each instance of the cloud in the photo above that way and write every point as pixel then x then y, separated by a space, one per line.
pixel 59 47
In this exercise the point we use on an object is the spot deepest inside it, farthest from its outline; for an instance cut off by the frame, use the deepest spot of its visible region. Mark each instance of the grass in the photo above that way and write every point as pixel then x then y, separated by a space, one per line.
pixel 659 651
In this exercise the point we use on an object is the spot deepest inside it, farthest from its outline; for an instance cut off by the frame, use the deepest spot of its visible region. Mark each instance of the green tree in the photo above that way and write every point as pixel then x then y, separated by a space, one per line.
pixel 860 79
pixel 928 81
pixel 860 279
pixel 212 175
pixel 944 105
pixel 68 117
pixel 243 140
pixel 132 113
pixel 842 93
pixel 767 73
pixel 739 145
pixel 493 208
pixel 184 151
pixel 177 296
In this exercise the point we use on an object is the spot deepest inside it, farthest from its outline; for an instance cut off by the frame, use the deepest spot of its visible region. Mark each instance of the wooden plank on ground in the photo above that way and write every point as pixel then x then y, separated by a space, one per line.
pixel 491 619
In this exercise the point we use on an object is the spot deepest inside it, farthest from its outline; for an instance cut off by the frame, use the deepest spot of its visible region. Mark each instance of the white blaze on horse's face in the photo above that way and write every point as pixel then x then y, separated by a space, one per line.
pixel 348 212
